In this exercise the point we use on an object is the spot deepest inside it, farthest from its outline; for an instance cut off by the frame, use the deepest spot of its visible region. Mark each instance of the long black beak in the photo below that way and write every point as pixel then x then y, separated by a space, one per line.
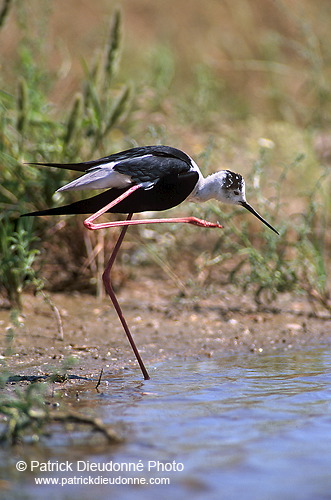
pixel 254 212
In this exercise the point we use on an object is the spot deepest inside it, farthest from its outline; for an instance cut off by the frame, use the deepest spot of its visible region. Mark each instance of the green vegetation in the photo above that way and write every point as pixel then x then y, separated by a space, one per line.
pixel 30 130
pixel 241 102
pixel 17 257
pixel 297 261
pixel 25 413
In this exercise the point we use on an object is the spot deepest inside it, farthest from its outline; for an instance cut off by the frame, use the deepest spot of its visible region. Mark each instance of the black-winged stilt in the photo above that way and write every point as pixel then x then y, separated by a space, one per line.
pixel 149 178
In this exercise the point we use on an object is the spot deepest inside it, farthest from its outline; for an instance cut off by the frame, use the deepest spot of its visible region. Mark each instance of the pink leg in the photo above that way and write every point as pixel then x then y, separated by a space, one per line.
pixel 110 291
pixel 183 220
pixel 89 224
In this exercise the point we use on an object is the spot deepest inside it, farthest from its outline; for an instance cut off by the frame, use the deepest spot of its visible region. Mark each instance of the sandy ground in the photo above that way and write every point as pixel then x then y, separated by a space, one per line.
pixel 163 327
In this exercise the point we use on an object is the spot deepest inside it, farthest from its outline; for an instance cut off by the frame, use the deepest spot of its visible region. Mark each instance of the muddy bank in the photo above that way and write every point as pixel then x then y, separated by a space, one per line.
pixel 163 326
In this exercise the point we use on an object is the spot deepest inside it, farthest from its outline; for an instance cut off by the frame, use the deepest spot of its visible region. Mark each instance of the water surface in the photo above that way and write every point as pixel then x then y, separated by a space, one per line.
pixel 251 427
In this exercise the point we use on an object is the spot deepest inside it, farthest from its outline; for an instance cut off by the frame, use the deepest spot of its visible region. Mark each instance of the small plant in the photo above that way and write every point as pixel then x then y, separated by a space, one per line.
pixel 101 105
pixel 23 412
pixel 17 256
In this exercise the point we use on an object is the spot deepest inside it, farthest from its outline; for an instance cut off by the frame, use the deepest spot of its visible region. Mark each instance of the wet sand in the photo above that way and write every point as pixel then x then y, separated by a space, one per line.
pixel 163 325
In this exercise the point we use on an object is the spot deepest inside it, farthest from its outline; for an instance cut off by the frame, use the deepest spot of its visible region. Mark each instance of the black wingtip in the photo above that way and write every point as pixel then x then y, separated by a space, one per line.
pixel 78 167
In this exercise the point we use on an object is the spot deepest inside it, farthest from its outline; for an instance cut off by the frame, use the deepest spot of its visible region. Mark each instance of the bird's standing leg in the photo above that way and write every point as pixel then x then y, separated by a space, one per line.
pixel 89 224
pixel 110 291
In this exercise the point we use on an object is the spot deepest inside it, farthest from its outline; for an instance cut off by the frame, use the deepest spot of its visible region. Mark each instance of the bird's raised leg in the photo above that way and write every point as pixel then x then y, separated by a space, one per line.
pixel 89 222
pixel 111 293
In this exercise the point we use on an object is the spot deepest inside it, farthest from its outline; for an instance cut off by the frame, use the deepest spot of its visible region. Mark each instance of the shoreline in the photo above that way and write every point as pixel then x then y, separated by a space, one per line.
pixel 162 329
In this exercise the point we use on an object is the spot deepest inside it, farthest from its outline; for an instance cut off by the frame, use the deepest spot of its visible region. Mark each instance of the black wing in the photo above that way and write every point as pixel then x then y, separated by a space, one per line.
pixel 123 157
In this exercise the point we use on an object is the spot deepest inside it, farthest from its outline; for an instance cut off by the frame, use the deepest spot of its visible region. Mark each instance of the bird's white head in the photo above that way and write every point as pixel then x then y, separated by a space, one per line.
pixel 231 188
pixel 227 187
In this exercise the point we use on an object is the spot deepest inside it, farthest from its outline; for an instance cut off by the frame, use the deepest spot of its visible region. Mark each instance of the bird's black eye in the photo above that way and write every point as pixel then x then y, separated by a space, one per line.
pixel 236 193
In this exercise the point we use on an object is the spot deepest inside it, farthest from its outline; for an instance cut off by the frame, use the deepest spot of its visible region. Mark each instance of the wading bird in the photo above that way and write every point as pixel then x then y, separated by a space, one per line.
pixel 149 178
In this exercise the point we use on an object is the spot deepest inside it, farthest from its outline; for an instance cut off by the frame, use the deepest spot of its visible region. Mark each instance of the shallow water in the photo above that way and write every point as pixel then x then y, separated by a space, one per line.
pixel 237 427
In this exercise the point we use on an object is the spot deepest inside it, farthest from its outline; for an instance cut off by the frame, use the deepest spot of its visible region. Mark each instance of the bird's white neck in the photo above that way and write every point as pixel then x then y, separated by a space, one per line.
pixel 210 187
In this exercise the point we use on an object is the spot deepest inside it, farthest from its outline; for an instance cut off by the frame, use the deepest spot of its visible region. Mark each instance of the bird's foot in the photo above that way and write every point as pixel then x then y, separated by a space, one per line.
pixel 204 223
